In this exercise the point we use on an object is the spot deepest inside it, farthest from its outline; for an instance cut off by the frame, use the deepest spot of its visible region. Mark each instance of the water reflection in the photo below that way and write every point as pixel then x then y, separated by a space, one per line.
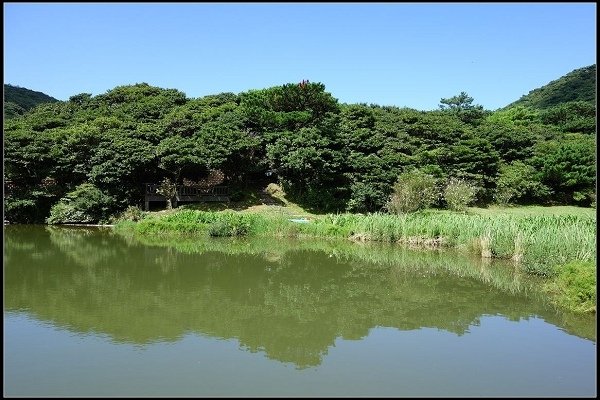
pixel 290 300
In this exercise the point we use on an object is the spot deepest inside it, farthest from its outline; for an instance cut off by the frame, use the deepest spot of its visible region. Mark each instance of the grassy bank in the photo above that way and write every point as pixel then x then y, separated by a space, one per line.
pixel 540 243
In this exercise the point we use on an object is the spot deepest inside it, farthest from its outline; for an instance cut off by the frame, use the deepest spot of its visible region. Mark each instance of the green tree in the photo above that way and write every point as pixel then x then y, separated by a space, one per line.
pixel 568 167
pixel 28 168
pixel 512 141
pixel 414 190
pixel 459 194
pixel 120 164
pixel 519 183
pixel 462 106
pixel 309 164
pixel 176 154
pixel 575 116
pixel 85 205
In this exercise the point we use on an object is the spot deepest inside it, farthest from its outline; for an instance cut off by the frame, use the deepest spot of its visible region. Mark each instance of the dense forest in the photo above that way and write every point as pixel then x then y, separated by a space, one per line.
pixel 577 85
pixel 94 153
pixel 18 100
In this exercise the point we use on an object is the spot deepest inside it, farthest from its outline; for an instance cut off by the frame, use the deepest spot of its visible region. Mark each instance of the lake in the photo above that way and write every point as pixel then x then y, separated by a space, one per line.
pixel 88 312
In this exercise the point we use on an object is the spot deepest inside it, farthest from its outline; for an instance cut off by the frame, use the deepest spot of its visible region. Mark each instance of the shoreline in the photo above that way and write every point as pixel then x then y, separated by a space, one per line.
pixel 558 248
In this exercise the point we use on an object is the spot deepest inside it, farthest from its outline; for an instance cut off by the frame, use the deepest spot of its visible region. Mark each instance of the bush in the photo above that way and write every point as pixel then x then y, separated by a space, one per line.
pixel 413 191
pixel 132 213
pixel 84 205
pixel 366 197
pixel 459 194
pixel 519 182
pixel 575 286
pixel 227 228
pixel 274 190
pixel 21 210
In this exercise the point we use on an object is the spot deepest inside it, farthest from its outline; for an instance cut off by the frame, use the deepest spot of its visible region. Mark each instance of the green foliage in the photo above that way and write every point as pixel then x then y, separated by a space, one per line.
pixel 367 196
pixel 327 156
pixel 413 191
pixel 287 107
pixel 577 85
pixel 168 189
pixel 519 183
pixel 462 106
pixel 85 205
pixel 132 213
pixel 573 116
pixel 120 164
pixel 458 103
pixel 568 167
pixel 12 110
pixel 513 141
pixel 473 160
pixel 309 165
pixel 228 228
pixel 515 115
pixel 459 194
pixel 23 210
pixel 18 100
pixel 538 241
pixel 575 286
pixel 27 156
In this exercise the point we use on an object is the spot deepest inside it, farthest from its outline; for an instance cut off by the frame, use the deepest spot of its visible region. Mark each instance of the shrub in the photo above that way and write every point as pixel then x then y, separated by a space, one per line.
pixel 21 210
pixel 132 213
pixel 413 191
pixel 86 204
pixel 459 194
pixel 366 197
pixel 226 228
pixel 274 190
pixel 517 182
pixel 575 286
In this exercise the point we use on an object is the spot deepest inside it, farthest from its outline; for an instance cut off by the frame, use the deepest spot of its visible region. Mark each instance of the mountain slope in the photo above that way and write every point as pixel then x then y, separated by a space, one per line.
pixel 18 100
pixel 577 85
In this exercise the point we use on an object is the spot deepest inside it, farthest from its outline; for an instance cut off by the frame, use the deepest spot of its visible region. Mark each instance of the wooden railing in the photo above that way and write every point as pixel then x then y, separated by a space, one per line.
pixel 152 189
pixel 187 193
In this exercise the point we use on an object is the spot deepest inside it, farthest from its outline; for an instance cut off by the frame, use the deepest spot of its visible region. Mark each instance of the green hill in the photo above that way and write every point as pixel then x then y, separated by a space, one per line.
pixel 577 85
pixel 18 100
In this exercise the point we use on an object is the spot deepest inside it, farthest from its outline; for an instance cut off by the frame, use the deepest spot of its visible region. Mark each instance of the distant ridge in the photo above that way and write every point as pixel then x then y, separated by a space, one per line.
pixel 577 85
pixel 18 100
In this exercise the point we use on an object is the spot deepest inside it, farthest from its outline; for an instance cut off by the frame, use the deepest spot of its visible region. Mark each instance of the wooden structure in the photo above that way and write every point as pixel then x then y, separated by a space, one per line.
pixel 186 193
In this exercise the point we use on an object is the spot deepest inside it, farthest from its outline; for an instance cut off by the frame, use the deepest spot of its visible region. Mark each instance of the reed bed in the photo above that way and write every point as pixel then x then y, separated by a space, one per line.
pixel 539 243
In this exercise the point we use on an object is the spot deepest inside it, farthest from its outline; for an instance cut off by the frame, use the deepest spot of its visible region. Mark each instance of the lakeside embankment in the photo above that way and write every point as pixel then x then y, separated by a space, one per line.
pixel 558 247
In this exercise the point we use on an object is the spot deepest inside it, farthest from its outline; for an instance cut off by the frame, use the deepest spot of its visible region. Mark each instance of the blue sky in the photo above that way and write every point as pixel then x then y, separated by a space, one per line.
pixel 403 54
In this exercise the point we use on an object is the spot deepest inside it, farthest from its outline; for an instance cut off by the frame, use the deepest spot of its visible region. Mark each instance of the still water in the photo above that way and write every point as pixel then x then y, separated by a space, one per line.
pixel 90 313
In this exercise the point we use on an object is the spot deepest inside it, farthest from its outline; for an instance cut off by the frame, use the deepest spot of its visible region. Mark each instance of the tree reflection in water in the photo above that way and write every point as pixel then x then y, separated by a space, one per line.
pixel 288 299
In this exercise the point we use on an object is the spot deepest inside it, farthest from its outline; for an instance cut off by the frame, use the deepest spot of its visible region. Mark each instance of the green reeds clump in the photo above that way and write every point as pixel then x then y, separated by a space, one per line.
pixel 197 222
pixel 230 227
pixel 575 286
pixel 538 243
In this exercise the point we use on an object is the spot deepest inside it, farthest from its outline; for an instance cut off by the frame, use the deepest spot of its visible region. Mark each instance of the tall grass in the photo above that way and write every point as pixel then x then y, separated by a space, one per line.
pixel 538 243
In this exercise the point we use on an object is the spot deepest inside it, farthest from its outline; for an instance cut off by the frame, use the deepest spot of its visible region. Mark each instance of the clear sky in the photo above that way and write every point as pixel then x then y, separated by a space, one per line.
pixel 403 54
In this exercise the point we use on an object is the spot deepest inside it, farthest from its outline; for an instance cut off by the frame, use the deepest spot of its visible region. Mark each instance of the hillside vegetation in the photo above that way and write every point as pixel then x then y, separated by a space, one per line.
pixel 578 85
pixel 86 159
pixel 18 100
